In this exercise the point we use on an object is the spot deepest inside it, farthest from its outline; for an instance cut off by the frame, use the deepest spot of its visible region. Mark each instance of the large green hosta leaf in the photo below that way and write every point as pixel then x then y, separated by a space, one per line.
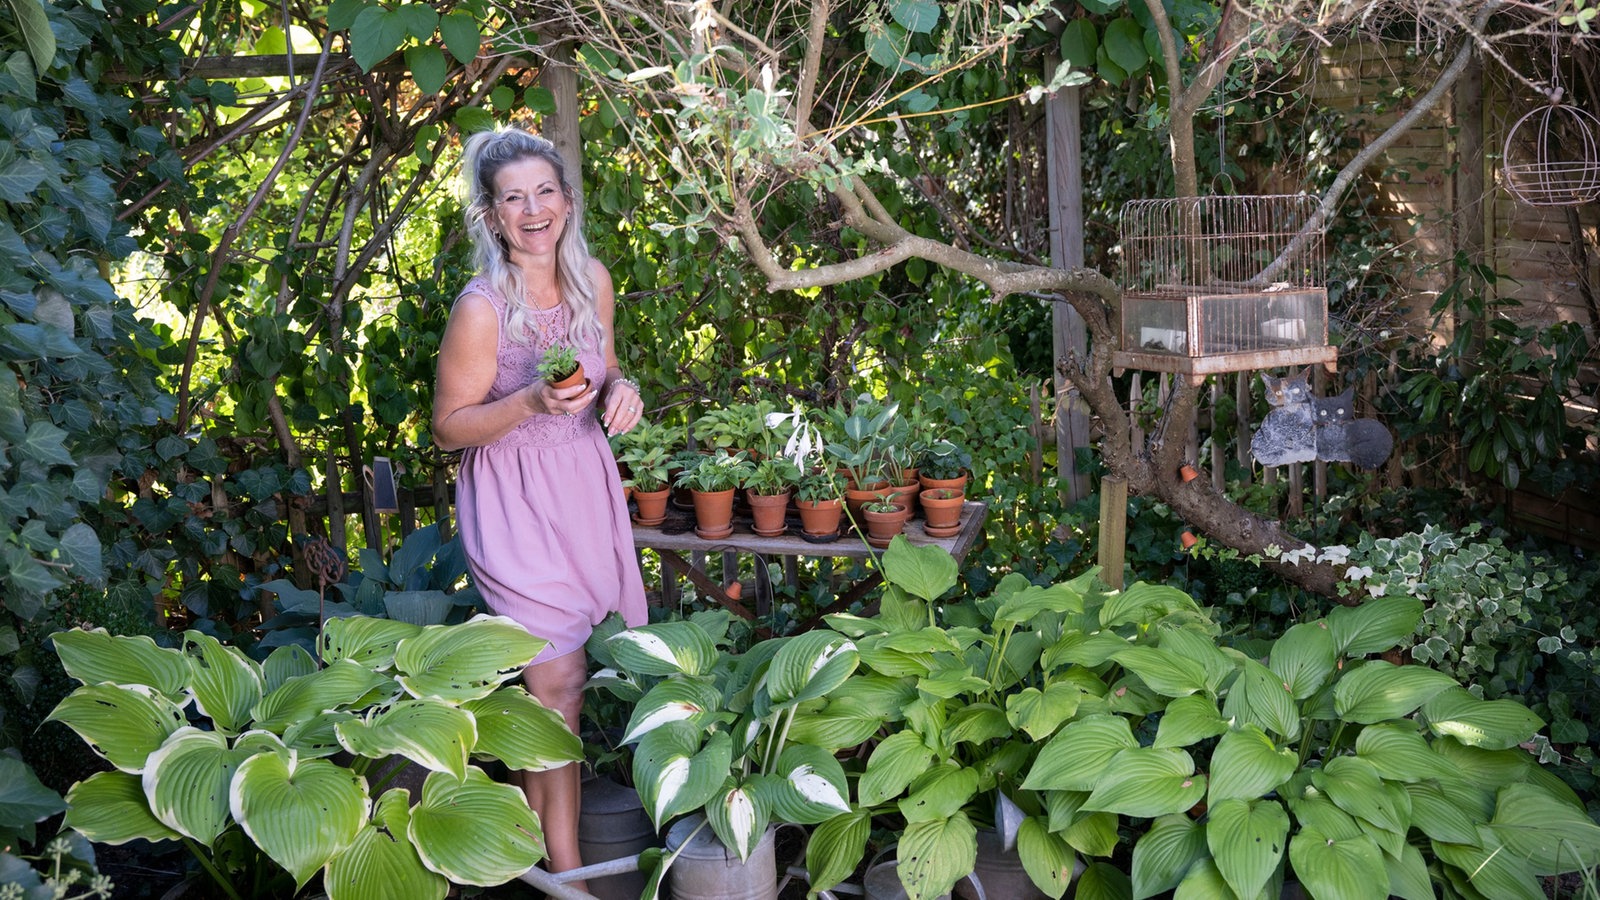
pixel 686 698
pixel 1378 690
pixel 339 686
pixel 665 648
pixel 381 863
pixel 1046 857
pixel 808 666
pixel 926 572
pixel 436 735
pixel 1373 627
pixel 523 733
pixel 1247 839
pixel 1354 784
pixel 1040 713
pixel 1259 696
pixel 1348 868
pixel 1246 765
pixel 95 656
pixel 939 793
pixel 225 683
pixel 1076 757
pixel 1147 782
pixel 1490 724
pixel 457 663
pixel 935 855
pixel 186 782
pixel 1189 720
pixel 110 808
pixel 475 831
pixel 364 639
pixel 123 724
pixel 1165 671
pixel 895 763
pixel 1166 853
pixel 837 848
pixel 299 812
pixel 1551 835
pixel 1304 658
pixel 1491 868
pixel 1400 753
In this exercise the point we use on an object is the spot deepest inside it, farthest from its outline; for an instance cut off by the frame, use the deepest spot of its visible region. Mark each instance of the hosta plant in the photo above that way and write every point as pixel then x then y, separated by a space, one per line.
pixel 715 729
pixel 234 757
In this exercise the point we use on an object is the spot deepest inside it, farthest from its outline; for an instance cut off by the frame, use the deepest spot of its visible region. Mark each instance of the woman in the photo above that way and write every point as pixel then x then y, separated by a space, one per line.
pixel 542 514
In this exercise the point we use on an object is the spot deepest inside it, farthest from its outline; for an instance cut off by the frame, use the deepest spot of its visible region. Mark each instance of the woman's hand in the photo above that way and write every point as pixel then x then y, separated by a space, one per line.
pixel 568 401
pixel 624 408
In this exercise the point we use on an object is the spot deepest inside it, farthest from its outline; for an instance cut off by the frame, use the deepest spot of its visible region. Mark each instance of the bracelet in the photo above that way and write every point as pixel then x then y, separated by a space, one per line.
pixel 629 382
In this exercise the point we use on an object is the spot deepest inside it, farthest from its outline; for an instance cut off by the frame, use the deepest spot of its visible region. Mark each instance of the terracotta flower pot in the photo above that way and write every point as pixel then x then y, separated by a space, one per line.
pixel 855 497
pixel 959 484
pixel 904 493
pixel 1188 473
pixel 941 511
pixel 652 506
pixel 768 511
pixel 1189 540
pixel 713 513
pixel 820 518
pixel 883 526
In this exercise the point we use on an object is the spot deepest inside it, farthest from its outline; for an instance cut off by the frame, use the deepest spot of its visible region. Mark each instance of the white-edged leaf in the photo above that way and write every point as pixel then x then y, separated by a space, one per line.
pixel 299 812
pixel 226 684
pixel 469 661
pixel 431 733
pixel 124 724
pixel 475 830
pixel 96 656
pixel 110 808
pixel 515 728
pixel 381 863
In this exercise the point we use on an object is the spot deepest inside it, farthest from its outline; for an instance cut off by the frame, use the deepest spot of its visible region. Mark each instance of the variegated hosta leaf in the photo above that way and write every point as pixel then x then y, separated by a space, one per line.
pixel 95 656
pixel 739 815
pixel 523 733
pixel 341 685
pixel 285 663
pixel 617 682
pixel 366 640
pixel 457 663
pixel 665 648
pixel 475 831
pixel 318 736
pixel 687 698
pixel 110 808
pixel 810 665
pixel 224 682
pixel 675 774
pixel 186 782
pixel 434 734
pixel 816 788
pixel 299 812
pixel 382 863
pixel 123 724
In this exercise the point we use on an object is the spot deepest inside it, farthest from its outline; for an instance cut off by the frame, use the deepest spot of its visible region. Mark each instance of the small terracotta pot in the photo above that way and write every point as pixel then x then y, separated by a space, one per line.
pixel 652 506
pixel 713 513
pixel 575 378
pixel 904 493
pixel 941 511
pixel 768 511
pixel 1188 473
pixel 1188 540
pixel 820 518
pixel 883 526
pixel 855 497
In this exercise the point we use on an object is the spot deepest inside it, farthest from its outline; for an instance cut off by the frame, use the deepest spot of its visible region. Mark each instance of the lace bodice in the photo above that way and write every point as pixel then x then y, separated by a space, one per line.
pixel 515 364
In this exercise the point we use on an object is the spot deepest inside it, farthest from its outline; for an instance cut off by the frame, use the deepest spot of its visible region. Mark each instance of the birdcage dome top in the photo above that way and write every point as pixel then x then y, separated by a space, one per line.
pixel 1552 155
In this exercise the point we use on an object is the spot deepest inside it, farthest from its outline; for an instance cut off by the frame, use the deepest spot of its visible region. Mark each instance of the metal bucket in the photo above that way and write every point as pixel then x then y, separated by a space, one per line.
pixel 613 825
pixel 1000 872
pixel 706 870
pixel 882 882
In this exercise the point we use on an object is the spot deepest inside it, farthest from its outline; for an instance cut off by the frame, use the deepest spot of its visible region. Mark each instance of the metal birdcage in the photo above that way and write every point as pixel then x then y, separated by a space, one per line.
pixel 1552 156
pixel 1222 284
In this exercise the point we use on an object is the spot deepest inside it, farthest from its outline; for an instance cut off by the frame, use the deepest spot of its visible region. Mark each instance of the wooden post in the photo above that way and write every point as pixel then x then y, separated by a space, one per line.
pixel 1113 529
pixel 1064 180
pixel 441 501
pixel 335 488
pixel 1219 459
pixel 1135 397
pixel 559 75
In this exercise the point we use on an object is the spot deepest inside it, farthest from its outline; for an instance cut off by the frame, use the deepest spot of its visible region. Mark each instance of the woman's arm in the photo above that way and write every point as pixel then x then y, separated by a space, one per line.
pixel 467 369
pixel 623 406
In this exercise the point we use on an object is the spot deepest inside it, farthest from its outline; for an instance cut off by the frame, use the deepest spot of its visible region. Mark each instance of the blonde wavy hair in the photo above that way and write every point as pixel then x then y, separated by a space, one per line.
pixel 485 154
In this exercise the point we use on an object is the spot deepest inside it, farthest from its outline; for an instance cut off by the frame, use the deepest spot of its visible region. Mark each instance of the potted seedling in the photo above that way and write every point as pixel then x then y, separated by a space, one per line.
pixel 886 517
pixel 944 465
pixel 820 499
pixel 941 511
pixel 768 488
pixel 712 482
pixel 560 366
pixel 647 476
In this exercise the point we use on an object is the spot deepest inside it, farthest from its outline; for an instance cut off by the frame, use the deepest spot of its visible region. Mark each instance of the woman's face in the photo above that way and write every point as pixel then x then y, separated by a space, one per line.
pixel 529 208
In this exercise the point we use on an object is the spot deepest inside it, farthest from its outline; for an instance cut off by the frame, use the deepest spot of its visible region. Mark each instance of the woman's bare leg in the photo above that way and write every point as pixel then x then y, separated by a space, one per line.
pixel 558 684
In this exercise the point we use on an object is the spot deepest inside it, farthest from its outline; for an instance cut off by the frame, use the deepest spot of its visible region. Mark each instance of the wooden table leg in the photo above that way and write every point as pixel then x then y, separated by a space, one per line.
pixel 708 587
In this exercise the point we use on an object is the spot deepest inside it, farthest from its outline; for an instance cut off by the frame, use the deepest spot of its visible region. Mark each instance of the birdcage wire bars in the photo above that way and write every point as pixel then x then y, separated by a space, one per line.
pixel 1222 284
pixel 1551 156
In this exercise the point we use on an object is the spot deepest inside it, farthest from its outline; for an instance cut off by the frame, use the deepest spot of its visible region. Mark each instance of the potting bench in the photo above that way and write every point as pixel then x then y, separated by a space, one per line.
pixel 687 554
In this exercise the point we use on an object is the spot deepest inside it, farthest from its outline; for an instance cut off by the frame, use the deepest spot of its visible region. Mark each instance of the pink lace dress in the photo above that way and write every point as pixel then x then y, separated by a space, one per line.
pixel 542 514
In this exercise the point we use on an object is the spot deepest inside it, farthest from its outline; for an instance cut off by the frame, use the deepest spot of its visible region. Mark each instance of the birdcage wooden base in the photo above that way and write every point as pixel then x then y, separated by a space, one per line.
pixel 1196 368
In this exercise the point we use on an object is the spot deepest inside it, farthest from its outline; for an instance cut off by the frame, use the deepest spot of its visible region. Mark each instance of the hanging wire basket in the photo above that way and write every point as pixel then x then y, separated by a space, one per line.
pixel 1552 156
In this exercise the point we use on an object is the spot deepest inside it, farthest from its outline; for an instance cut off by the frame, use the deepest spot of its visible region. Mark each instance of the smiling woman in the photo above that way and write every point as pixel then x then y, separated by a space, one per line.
pixel 542 515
